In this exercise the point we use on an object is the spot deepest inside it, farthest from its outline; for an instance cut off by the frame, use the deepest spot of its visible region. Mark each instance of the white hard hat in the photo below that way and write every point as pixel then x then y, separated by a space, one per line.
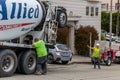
pixel 97 44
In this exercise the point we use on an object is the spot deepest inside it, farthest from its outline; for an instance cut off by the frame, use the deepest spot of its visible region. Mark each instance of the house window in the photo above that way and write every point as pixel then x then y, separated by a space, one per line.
pixel 87 11
pixel 92 11
pixel 104 7
pixel 96 11
pixel 117 6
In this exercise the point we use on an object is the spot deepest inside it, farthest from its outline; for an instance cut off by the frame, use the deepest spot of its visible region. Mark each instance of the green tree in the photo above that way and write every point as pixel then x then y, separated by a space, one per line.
pixel 105 21
pixel 82 39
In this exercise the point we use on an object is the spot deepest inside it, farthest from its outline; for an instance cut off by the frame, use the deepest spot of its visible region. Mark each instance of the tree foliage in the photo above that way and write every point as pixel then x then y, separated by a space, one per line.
pixel 82 39
pixel 62 35
pixel 105 21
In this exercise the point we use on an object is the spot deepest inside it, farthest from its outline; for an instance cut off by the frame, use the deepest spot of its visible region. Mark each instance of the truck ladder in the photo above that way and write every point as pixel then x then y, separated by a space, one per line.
pixel 52 31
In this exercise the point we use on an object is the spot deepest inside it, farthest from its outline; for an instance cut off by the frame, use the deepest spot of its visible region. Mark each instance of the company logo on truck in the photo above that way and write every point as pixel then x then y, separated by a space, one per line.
pixel 21 9
pixel 6 27
pixel 18 17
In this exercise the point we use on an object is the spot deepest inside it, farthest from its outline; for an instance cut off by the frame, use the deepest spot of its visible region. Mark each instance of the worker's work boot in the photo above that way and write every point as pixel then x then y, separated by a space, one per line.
pixel 37 73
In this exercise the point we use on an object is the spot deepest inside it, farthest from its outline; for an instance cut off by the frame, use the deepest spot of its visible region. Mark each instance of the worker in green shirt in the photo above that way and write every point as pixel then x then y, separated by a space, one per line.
pixel 41 50
pixel 96 55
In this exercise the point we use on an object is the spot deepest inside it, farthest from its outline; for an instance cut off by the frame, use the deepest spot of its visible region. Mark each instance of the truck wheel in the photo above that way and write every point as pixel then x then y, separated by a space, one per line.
pixel 50 59
pixel 108 62
pixel 27 62
pixel 61 18
pixel 8 63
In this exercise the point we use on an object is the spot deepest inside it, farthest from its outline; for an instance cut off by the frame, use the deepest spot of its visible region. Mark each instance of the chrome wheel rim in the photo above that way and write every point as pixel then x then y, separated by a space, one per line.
pixel 31 63
pixel 8 63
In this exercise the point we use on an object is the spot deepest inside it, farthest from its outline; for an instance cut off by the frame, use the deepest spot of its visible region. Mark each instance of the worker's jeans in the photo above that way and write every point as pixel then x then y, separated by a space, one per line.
pixel 96 61
pixel 41 65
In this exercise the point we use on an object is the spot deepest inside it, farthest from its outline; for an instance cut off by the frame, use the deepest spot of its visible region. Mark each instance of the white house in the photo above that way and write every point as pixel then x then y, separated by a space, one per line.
pixel 81 13
pixel 106 5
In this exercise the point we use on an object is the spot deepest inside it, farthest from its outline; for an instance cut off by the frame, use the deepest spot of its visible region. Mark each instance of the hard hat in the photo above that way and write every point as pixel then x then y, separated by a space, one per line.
pixel 97 44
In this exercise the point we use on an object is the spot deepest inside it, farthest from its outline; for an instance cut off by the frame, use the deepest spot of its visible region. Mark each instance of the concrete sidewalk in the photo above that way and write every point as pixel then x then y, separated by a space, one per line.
pixel 80 59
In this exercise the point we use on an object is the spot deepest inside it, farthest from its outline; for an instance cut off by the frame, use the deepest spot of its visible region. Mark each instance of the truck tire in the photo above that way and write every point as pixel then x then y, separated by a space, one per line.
pixel 108 62
pixel 8 62
pixel 61 18
pixel 27 62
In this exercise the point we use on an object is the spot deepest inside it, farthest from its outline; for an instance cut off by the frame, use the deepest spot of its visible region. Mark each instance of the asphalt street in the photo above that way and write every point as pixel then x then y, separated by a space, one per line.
pixel 80 68
pixel 74 71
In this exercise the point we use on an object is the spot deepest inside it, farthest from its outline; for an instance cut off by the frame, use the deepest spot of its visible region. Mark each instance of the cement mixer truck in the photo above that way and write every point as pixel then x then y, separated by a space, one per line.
pixel 21 21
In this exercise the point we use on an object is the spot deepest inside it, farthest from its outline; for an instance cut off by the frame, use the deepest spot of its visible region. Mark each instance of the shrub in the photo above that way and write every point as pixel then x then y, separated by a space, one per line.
pixel 102 36
pixel 62 35
pixel 82 39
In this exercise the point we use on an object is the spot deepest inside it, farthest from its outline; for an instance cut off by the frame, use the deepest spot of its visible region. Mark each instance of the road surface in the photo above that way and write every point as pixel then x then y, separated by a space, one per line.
pixel 83 71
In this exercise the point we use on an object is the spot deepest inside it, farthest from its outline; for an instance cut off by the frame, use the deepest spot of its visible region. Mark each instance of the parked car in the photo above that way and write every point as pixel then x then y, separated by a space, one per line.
pixel 113 37
pixel 104 31
pixel 117 57
pixel 59 53
pixel 117 40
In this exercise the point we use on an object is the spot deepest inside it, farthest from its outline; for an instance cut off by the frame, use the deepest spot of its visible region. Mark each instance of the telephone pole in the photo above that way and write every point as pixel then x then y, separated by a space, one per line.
pixel 110 23
pixel 117 26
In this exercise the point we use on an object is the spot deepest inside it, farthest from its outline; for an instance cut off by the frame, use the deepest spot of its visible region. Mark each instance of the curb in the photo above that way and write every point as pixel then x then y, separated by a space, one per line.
pixel 80 63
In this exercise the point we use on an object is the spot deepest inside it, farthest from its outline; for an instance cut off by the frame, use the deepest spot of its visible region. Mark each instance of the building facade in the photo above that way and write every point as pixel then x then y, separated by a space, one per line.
pixel 106 5
pixel 81 13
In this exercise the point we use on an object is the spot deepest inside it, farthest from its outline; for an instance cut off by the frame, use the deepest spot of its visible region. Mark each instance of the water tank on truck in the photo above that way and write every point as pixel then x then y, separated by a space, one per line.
pixel 17 17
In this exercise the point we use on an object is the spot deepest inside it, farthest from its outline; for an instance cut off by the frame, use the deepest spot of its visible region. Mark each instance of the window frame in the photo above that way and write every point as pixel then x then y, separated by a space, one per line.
pixel 87 10
pixel 96 11
pixel 104 7
pixel 116 6
pixel 92 11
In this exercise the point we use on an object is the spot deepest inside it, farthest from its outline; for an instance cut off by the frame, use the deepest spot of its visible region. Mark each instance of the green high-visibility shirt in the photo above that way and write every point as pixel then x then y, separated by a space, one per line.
pixel 96 52
pixel 40 48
